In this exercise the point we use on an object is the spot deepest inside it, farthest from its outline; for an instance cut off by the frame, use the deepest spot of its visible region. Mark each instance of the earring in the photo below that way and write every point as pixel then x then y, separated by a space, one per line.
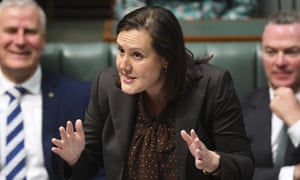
pixel 165 66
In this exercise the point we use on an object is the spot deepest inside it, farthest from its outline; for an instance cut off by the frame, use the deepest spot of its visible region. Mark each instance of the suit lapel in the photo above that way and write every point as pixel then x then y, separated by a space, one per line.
pixel 187 117
pixel 291 157
pixel 262 118
pixel 49 117
pixel 122 113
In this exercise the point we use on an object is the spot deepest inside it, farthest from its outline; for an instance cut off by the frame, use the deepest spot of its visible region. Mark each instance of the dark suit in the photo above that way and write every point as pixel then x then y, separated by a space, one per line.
pixel 63 99
pixel 210 106
pixel 257 117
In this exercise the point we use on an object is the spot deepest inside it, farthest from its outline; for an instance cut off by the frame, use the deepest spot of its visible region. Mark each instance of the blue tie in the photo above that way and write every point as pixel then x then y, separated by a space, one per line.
pixel 15 151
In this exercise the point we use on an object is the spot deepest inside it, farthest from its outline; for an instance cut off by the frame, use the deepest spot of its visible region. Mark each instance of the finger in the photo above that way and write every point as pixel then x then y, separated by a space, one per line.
pixel 70 129
pixel 199 163
pixel 199 160
pixel 197 141
pixel 186 137
pixel 195 138
pixel 198 154
pixel 57 151
pixel 79 127
pixel 200 144
pixel 193 134
pixel 62 133
pixel 57 142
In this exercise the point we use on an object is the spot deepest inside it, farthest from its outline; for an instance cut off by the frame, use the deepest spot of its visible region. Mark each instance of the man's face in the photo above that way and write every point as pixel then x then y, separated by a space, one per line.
pixel 21 42
pixel 281 55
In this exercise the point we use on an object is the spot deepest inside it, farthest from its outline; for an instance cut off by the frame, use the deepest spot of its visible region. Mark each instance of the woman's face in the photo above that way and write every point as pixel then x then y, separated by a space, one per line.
pixel 140 67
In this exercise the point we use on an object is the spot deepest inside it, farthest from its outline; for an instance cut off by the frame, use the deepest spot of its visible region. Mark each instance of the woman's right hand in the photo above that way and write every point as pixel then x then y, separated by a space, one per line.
pixel 71 144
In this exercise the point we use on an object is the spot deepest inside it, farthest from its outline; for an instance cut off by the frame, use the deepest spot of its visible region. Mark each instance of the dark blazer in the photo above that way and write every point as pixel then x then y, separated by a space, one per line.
pixel 257 117
pixel 210 106
pixel 63 99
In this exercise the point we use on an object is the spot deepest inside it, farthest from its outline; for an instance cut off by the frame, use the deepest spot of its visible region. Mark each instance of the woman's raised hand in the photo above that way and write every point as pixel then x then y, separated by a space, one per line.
pixel 206 160
pixel 71 144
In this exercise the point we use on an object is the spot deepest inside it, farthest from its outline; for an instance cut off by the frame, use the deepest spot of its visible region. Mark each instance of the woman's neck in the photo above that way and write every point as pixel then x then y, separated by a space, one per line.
pixel 155 105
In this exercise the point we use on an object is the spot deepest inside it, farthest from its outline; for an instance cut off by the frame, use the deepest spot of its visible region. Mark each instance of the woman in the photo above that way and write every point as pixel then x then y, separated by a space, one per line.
pixel 140 111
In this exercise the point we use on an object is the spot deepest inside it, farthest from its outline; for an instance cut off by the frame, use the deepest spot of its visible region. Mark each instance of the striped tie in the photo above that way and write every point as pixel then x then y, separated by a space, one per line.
pixel 15 151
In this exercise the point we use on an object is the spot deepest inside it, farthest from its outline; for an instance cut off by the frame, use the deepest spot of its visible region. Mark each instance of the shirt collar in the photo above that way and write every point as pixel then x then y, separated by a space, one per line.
pixel 32 85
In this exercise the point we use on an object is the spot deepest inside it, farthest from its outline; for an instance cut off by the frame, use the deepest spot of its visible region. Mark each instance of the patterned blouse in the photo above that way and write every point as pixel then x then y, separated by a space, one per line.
pixel 152 151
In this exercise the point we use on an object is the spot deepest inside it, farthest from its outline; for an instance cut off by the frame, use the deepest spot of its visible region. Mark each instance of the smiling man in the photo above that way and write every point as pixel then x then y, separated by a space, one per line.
pixel 272 114
pixel 48 101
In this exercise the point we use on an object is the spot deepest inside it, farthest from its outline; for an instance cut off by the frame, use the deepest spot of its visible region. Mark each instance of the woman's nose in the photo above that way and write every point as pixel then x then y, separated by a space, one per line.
pixel 124 62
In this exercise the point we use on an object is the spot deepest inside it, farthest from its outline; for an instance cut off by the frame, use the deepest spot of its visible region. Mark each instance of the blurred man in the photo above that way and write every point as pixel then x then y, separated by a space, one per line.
pixel 49 100
pixel 272 114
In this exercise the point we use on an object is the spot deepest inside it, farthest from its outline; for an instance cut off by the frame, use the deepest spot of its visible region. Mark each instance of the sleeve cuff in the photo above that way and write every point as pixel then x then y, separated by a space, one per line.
pixel 286 173
pixel 294 133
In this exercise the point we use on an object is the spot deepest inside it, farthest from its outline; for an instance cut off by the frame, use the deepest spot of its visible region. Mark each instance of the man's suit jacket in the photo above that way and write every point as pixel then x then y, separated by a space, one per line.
pixel 210 106
pixel 63 99
pixel 257 117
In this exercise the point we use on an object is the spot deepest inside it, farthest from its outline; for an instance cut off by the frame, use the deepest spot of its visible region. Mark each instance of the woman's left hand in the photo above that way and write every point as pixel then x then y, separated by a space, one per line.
pixel 206 160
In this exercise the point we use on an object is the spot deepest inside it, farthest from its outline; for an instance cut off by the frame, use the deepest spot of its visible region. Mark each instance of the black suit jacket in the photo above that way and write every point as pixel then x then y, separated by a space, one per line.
pixel 257 117
pixel 210 106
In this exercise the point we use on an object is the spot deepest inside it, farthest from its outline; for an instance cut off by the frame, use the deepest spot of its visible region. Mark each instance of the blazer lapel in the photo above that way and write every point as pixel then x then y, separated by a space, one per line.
pixel 187 117
pixel 123 117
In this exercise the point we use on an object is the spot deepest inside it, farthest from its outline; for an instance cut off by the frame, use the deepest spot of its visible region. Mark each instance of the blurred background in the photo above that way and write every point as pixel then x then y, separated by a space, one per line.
pixel 84 20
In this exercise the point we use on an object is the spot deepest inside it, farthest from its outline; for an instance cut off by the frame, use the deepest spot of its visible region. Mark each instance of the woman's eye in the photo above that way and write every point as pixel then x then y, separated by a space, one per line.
pixel 138 56
pixel 121 50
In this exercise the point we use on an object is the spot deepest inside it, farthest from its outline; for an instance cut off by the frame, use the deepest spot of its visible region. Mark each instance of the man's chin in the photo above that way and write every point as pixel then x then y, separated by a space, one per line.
pixel 20 68
pixel 278 84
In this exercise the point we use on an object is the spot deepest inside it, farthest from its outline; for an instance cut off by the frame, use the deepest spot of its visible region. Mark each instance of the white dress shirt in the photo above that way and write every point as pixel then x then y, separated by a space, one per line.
pixel 31 104
pixel 286 172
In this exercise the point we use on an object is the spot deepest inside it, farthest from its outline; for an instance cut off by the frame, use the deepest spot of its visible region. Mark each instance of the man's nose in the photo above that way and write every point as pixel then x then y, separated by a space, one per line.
pixel 281 59
pixel 20 38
